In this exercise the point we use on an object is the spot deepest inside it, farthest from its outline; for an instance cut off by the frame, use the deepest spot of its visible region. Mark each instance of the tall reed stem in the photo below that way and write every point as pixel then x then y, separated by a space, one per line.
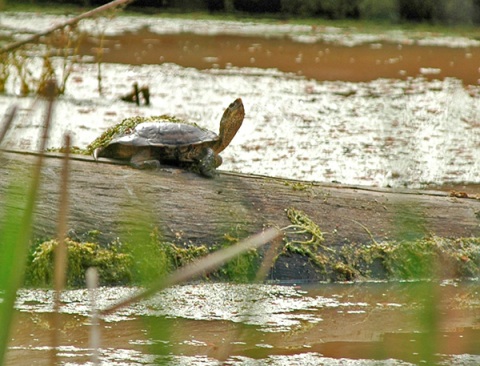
pixel 61 255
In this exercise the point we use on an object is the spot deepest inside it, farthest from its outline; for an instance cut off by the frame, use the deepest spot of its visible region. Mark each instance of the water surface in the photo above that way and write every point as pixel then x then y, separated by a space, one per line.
pixel 204 323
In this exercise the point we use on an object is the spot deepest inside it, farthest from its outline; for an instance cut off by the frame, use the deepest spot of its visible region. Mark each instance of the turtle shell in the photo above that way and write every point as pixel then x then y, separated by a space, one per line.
pixel 165 134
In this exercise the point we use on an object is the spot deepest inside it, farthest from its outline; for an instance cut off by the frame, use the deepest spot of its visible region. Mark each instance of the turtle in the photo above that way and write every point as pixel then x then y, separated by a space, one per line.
pixel 167 140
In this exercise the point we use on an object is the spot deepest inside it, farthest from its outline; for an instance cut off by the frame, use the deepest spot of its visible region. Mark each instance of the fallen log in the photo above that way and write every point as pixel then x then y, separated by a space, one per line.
pixel 110 199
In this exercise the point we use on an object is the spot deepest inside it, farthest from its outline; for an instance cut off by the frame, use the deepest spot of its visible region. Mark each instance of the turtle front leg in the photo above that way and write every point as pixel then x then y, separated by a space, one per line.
pixel 208 162
pixel 143 160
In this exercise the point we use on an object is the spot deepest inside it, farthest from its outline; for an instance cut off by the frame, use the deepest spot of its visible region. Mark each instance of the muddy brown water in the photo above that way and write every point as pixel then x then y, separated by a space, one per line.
pixel 203 324
pixel 318 60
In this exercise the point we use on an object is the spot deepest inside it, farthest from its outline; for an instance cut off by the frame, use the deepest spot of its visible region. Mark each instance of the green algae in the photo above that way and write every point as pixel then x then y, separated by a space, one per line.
pixel 130 262
pixel 241 269
pixel 409 259
pixel 427 257
pixel 114 266
pixel 134 261
pixel 302 224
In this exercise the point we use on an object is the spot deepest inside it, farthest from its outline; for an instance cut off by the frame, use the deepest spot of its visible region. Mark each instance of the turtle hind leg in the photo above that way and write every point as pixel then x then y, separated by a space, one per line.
pixel 208 162
pixel 146 164
pixel 143 160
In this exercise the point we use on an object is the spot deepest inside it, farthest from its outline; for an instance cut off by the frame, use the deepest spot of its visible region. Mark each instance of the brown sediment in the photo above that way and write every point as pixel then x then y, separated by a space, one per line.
pixel 318 60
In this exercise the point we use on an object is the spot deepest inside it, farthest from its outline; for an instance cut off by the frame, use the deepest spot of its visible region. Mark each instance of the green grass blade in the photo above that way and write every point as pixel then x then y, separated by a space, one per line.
pixel 12 259
pixel 15 234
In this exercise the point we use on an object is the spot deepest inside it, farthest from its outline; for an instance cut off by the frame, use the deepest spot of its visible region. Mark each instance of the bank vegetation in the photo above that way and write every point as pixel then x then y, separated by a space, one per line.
pixel 458 12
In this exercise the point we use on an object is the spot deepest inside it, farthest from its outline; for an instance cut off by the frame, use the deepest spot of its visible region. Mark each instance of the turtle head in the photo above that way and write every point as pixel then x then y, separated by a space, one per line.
pixel 229 124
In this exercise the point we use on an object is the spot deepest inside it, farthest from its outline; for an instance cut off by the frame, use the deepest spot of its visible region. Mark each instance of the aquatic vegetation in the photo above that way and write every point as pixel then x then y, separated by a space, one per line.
pixel 120 263
pixel 410 259
pixel 114 267
pixel 122 127
pixel 136 260
pixel 428 257
pixel 302 224
pixel 242 269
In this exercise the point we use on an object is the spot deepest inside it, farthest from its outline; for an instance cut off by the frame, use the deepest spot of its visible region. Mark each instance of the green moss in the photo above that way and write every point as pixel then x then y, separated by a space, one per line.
pixel 304 237
pixel 344 272
pixel 113 266
pixel 428 257
pixel 318 259
pixel 299 186
pixel 412 258
pixel 140 261
pixel 242 268
pixel 130 263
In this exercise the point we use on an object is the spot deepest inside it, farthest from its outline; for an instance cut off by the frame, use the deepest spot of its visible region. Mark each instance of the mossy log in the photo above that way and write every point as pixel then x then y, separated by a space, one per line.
pixel 111 199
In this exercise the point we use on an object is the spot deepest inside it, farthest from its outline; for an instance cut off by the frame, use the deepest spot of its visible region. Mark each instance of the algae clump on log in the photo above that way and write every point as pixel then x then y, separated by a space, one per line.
pixel 113 266
pixel 418 258
pixel 121 263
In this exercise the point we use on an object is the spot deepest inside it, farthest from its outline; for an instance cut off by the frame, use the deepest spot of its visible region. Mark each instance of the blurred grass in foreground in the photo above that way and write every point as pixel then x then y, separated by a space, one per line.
pixel 16 231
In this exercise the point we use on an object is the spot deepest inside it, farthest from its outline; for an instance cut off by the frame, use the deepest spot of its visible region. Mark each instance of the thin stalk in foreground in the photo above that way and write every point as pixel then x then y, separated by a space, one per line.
pixel 199 267
pixel 7 121
pixel 239 332
pixel 61 255
pixel 15 238
pixel 94 338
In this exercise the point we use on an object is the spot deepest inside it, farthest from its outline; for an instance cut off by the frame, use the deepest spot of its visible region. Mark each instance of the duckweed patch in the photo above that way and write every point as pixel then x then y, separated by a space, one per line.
pixel 422 258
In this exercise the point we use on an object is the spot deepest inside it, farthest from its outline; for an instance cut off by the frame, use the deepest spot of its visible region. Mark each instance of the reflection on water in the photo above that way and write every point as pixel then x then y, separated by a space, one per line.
pixel 361 324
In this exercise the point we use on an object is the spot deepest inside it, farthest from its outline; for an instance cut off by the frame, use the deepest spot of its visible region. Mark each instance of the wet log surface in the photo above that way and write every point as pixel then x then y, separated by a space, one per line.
pixel 188 208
